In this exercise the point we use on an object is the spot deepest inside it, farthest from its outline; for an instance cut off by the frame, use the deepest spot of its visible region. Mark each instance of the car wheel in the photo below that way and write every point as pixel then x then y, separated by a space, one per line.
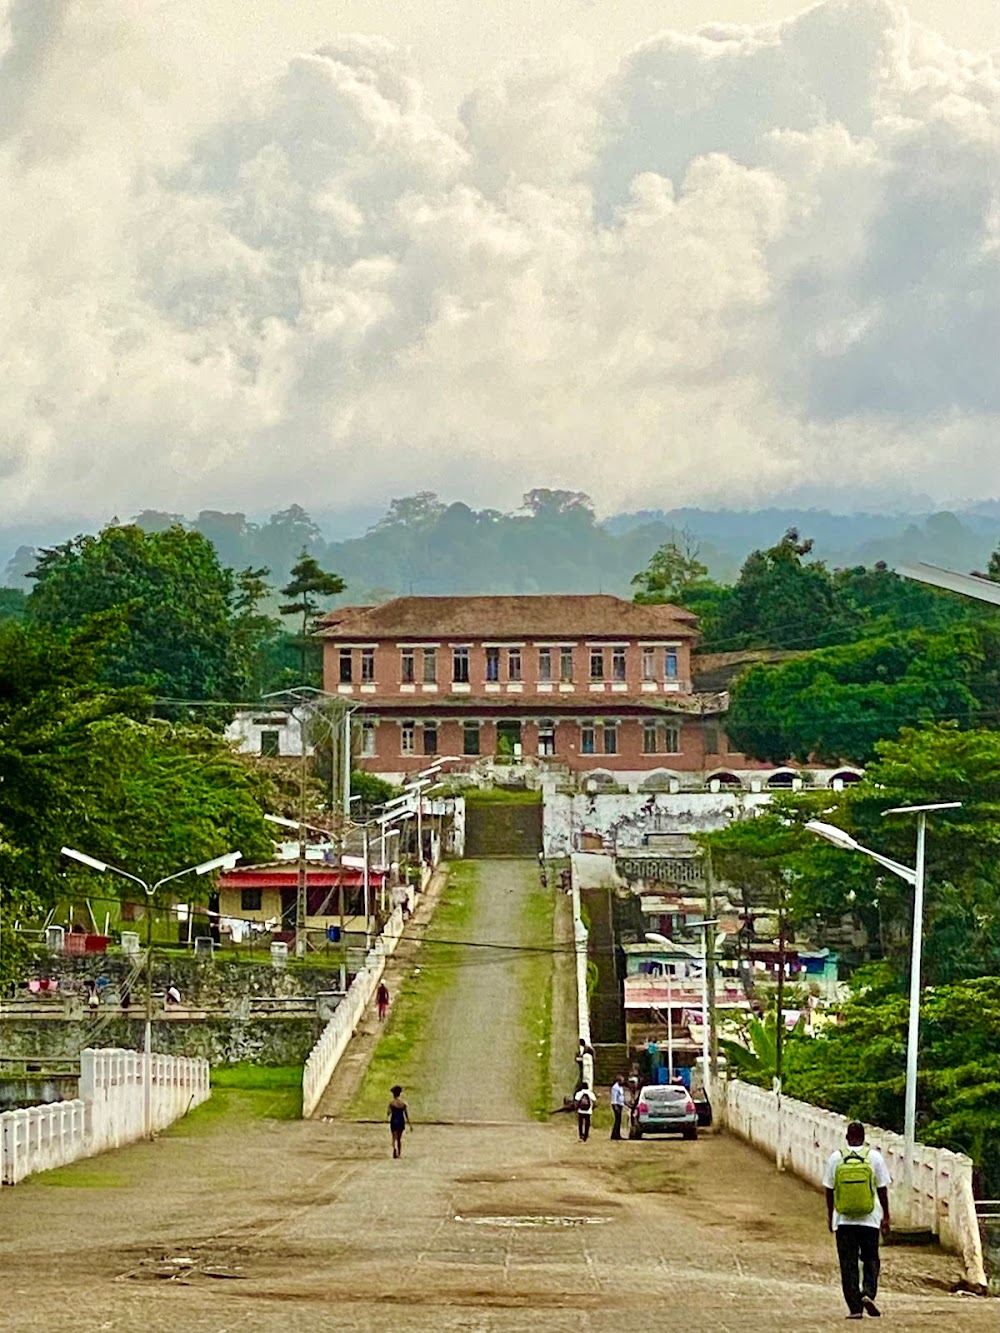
pixel 691 1133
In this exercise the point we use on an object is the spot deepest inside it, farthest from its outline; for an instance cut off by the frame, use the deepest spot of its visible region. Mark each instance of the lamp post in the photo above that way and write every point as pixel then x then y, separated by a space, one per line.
pixel 914 877
pixel 225 862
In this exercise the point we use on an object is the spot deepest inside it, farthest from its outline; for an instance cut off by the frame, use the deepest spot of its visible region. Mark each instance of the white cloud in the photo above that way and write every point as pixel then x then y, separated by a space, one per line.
pixel 753 261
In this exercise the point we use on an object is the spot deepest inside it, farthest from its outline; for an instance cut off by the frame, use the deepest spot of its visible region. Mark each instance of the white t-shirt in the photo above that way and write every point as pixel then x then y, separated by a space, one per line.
pixel 585 1092
pixel 881 1173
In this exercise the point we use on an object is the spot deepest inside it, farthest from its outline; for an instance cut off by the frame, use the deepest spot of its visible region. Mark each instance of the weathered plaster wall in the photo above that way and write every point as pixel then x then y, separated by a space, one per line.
pixel 272 1041
pixel 37 1091
pixel 200 982
pixel 591 821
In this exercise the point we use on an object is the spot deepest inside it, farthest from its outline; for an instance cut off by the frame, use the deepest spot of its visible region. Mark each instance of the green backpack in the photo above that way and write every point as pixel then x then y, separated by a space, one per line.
pixel 854 1184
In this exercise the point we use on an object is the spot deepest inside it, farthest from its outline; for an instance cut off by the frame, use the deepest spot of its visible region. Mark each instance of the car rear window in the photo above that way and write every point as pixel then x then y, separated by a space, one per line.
pixel 661 1093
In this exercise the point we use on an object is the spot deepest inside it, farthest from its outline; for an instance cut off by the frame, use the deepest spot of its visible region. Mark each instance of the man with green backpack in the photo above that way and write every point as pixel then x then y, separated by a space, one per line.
pixel 857 1206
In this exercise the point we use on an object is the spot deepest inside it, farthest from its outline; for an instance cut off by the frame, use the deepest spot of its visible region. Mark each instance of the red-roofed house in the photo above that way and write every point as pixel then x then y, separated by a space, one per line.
pixel 588 682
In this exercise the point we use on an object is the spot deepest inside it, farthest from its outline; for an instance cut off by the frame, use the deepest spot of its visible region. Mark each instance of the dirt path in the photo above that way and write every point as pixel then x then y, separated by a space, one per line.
pixel 492 1229
pixel 262 1227
pixel 478 1027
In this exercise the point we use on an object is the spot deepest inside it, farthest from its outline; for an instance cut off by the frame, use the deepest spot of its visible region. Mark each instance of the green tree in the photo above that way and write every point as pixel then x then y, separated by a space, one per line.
pixel 781 600
pixel 310 584
pixel 13 604
pixel 672 570
pixel 836 704
pixel 858 1068
pixel 83 764
pixel 177 599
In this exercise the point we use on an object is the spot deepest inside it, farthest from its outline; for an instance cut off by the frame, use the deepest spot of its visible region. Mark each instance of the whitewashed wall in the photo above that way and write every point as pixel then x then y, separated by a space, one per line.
pixel 122 1107
pixel 580 938
pixel 620 819
pixel 117 1105
pixel 326 1054
pixel 933 1191
pixel 40 1138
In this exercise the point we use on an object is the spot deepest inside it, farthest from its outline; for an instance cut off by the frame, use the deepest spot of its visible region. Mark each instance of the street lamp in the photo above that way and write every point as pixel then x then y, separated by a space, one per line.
pixel 224 862
pixel 914 877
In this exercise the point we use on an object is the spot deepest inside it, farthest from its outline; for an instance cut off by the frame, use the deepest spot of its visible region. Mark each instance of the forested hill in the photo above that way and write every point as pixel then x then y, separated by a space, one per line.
pixel 554 543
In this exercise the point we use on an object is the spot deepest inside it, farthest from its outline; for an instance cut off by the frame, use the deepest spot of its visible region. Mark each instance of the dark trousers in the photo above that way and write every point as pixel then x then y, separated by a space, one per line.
pixel 583 1124
pixel 858 1245
pixel 616 1131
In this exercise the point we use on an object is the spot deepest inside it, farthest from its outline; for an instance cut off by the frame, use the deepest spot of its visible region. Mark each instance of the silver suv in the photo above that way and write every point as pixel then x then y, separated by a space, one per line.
pixel 666 1108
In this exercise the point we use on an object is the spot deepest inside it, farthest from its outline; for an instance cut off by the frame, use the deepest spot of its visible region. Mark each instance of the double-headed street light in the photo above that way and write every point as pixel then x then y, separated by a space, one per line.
pixel 225 862
pixel 915 877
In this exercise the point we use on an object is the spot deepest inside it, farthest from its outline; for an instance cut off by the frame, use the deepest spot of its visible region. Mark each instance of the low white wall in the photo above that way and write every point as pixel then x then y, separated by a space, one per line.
pixel 932 1191
pixel 325 1055
pixel 41 1137
pixel 116 1106
pixel 580 938
pixel 122 1109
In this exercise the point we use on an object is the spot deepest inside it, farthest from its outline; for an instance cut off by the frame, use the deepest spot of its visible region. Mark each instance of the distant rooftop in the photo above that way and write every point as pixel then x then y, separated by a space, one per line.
pixel 598 615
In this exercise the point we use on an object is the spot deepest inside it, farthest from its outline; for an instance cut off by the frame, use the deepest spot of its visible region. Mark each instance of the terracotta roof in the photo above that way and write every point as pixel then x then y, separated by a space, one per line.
pixel 597 615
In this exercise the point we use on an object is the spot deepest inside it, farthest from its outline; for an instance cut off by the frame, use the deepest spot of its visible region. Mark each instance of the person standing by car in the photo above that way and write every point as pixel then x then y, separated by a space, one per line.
pixel 857 1182
pixel 617 1106
pixel 633 1104
pixel 584 1100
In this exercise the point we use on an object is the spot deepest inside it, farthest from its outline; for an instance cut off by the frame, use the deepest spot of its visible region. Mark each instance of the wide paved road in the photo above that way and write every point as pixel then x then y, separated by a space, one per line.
pixel 508 1226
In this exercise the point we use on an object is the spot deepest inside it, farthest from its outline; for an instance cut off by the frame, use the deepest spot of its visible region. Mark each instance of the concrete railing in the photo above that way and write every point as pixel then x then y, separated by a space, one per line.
pixel 123 1107
pixel 326 1054
pixel 931 1191
pixel 580 938
pixel 117 1105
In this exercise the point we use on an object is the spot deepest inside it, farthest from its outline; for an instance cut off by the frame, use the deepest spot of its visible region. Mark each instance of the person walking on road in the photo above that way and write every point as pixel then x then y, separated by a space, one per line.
pixel 398 1116
pixel 382 1000
pixel 617 1106
pixel 584 1100
pixel 857 1182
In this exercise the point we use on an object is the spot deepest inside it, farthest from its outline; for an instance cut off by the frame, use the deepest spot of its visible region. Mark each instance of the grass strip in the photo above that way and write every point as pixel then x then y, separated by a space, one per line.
pixel 537 923
pixel 244 1092
pixel 397 1056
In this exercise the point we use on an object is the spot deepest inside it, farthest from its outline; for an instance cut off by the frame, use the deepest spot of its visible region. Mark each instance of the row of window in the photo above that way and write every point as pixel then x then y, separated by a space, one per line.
pixel 595 737
pixel 508 664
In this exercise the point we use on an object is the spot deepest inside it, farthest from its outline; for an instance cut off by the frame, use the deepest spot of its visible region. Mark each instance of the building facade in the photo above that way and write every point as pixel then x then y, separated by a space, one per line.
pixel 583 683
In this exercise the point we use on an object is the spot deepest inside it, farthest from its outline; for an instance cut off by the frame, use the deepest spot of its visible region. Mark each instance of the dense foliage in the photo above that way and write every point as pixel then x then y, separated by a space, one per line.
pixel 192 624
pixel 84 764
pixel 857 1068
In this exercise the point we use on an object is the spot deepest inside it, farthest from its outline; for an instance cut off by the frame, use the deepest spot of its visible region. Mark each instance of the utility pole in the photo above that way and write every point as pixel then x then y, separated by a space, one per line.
pixel 713 1027
pixel 301 895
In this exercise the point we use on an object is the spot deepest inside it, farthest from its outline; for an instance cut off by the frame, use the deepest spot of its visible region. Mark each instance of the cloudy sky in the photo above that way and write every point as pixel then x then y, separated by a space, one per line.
pixel 258 251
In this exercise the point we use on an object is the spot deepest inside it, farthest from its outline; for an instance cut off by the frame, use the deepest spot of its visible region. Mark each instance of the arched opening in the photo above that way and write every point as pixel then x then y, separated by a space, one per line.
pixel 782 780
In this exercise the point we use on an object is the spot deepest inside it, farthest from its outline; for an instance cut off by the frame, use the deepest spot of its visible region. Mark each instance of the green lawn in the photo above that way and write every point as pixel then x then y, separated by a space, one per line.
pixel 410 1016
pixel 245 1092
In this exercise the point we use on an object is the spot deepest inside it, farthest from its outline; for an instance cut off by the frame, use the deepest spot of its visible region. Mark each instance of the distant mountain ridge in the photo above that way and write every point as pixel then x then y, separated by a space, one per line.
pixel 423 545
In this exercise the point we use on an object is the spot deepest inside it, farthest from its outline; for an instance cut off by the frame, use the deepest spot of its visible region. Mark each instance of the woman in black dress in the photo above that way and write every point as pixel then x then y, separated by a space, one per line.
pixel 399 1119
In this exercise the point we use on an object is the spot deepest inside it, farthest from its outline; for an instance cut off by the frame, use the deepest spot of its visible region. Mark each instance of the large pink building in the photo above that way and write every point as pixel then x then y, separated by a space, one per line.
pixel 585 682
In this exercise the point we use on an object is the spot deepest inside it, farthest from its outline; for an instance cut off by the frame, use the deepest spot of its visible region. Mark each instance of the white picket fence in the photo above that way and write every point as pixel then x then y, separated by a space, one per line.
pixel 116 1106
pixel 931 1191
pixel 325 1055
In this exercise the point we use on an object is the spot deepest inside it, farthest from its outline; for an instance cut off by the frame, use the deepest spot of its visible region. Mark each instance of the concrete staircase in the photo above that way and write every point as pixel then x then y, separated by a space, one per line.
pixel 502 828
